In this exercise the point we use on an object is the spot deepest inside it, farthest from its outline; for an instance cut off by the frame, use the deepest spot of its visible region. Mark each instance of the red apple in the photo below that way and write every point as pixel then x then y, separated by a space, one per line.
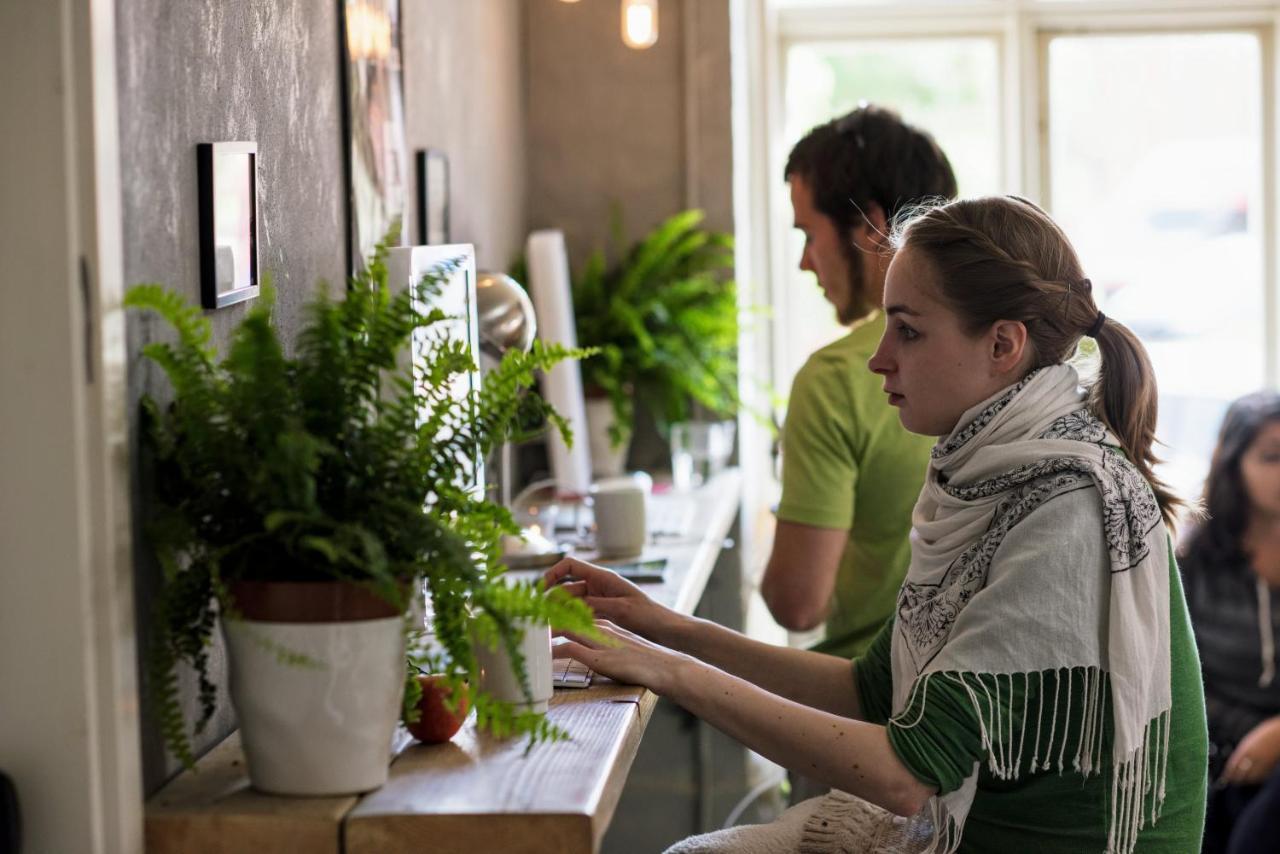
pixel 436 724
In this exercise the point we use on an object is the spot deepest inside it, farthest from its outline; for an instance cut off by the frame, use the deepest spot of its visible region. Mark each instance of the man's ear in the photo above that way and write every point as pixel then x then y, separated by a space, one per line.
pixel 871 229
pixel 1009 346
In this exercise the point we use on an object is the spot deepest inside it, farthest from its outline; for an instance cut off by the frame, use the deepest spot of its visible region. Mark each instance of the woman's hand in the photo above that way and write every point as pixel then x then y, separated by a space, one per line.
pixel 612 597
pixel 1256 756
pixel 625 657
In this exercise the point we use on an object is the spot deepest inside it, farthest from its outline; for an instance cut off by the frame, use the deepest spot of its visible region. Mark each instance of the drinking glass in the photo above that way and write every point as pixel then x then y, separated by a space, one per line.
pixel 699 449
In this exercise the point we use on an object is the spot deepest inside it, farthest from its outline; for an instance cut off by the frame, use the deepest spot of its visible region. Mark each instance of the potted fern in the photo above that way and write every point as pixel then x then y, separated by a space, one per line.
pixel 664 318
pixel 305 498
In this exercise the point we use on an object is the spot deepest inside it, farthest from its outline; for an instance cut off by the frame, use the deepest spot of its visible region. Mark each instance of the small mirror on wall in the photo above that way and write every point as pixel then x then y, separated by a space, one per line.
pixel 228 175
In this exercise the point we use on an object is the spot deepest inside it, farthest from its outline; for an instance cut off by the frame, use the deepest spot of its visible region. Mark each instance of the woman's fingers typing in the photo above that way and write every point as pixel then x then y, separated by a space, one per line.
pixel 609 595
pixel 570 568
pixel 574 588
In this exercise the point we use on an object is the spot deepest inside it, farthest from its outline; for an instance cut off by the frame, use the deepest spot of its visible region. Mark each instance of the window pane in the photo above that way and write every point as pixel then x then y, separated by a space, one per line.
pixel 949 87
pixel 1155 168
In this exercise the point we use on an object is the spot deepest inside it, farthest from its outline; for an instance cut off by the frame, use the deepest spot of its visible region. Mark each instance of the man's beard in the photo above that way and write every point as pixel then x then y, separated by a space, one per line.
pixel 858 303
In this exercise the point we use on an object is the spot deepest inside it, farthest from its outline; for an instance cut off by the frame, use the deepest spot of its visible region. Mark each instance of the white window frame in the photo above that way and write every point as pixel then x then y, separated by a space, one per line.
pixel 1022 30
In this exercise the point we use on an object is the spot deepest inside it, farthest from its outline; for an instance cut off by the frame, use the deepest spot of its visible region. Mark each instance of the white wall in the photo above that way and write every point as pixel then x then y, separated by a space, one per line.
pixel 68 727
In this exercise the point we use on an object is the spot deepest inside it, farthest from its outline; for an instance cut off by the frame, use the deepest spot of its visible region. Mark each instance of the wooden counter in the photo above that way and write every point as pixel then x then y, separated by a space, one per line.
pixel 474 794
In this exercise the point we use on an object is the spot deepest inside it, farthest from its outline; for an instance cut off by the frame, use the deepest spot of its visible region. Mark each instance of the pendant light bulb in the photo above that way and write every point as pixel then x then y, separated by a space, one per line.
pixel 639 23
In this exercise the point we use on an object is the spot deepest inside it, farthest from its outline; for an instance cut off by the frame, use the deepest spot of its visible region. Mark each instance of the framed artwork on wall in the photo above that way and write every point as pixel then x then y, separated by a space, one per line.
pixel 376 161
pixel 227 173
pixel 433 197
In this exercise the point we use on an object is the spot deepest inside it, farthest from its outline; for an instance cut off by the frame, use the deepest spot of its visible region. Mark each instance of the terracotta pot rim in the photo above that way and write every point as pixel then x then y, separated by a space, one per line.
pixel 309 602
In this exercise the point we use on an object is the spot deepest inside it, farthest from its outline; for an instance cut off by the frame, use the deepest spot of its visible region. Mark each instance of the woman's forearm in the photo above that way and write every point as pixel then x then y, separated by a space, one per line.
pixel 850 755
pixel 813 679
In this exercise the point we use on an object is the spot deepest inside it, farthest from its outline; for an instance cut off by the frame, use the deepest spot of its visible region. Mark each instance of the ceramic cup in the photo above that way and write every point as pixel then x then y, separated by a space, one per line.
pixel 499 678
pixel 619 513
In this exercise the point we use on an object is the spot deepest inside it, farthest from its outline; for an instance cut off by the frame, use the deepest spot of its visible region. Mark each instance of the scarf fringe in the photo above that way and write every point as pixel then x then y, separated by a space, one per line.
pixel 1138 786
pixel 1137 791
pixel 948 829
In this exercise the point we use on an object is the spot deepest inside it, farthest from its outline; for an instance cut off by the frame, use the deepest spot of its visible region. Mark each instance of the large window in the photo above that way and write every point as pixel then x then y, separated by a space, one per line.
pixel 1144 127
pixel 1154 167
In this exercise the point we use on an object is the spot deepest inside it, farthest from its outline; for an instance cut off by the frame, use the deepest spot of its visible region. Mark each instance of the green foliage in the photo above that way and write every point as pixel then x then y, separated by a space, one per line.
pixel 664 318
pixel 321 465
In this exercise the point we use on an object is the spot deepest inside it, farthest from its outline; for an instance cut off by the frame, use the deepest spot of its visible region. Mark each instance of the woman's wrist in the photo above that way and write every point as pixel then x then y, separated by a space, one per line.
pixel 680 672
pixel 672 629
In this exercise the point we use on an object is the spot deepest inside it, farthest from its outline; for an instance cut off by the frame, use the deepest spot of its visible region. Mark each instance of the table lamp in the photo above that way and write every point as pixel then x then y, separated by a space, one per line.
pixel 506 322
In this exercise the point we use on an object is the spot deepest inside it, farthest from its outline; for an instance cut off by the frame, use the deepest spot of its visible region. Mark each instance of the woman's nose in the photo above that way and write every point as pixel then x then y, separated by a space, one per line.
pixel 879 363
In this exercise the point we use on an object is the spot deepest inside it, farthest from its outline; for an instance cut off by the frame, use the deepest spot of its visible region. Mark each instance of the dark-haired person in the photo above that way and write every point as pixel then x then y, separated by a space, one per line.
pixel 850 472
pixel 1231 571
pixel 1038 688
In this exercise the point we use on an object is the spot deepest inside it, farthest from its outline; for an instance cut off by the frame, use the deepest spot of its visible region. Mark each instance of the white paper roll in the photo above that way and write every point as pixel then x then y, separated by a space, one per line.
pixel 562 387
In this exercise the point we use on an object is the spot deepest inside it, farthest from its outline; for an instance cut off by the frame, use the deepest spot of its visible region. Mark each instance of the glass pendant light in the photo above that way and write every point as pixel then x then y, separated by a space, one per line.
pixel 639 23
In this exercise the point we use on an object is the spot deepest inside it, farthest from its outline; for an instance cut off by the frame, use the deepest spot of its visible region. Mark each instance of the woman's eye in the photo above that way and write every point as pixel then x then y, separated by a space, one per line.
pixel 907 333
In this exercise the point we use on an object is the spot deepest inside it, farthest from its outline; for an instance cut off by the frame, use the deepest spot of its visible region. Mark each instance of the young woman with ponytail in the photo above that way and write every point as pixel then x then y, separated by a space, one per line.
pixel 1038 687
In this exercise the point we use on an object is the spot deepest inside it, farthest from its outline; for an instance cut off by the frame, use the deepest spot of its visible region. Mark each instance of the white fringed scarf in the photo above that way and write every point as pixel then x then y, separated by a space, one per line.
pixel 1007 457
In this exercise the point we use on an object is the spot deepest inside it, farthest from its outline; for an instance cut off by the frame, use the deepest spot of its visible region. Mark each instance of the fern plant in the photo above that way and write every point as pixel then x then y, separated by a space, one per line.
pixel 321 465
pixel 664 318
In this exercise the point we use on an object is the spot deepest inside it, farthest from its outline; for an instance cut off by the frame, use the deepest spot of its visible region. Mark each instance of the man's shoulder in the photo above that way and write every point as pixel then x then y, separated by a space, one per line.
pixel 843 364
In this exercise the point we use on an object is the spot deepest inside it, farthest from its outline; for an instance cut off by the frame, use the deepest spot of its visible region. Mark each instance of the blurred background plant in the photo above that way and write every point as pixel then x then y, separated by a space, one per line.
pixel 663 315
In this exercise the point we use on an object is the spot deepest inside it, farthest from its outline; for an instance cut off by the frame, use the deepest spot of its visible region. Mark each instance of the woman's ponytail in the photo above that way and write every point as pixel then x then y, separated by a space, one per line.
pixel 1124 396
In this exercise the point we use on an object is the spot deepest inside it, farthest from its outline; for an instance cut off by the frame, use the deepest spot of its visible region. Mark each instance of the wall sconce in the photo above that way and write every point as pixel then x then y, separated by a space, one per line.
pixel 639 23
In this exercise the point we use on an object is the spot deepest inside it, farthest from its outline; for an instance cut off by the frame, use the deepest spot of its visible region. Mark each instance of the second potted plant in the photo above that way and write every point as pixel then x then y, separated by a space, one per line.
pixel 664 317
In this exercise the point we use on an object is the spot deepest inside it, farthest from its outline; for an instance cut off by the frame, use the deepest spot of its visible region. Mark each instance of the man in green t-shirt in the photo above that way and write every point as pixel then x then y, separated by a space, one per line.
pixel 850 471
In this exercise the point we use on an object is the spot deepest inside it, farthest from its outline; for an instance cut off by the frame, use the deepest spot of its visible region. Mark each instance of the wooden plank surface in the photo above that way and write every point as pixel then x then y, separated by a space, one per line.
pixel 476 793
pixel 215 811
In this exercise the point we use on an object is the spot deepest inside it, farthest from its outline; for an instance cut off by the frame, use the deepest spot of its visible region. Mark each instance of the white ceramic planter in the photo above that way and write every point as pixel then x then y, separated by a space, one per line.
pixel 606 460
pixel 498 676
pixel 324 729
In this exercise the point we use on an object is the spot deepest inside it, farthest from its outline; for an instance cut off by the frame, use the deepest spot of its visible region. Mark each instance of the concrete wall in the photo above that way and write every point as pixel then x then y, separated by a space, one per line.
pixel 646 129
pixel 464 94
pixel 207 71
pixel 268 70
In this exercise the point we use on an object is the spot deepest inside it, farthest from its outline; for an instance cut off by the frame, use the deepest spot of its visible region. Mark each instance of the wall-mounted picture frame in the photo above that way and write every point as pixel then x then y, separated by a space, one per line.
pixel 433 197
pixel 376 160
pixel 227 173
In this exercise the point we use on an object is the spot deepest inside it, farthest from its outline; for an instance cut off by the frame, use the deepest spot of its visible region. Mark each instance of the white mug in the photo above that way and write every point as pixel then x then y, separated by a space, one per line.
pixel 499 678
pixel 619 512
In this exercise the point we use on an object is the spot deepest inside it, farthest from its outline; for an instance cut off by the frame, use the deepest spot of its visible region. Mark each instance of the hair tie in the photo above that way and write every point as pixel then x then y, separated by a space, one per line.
pixel 1096 327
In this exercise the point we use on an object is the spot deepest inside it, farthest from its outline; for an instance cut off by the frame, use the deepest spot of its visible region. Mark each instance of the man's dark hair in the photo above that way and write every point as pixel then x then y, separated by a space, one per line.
pixel 869 155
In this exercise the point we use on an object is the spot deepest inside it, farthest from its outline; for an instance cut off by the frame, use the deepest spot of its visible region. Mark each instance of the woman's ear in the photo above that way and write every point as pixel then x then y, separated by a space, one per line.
pixel 1009 347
